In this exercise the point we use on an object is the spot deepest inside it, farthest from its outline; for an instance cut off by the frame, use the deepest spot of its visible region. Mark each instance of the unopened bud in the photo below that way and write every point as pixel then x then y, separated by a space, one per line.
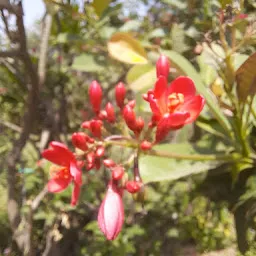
pixel 117 172
pixel 79 140
pixel 162 66
pixel 90 157
pixel 95 94
pixel 131 103
pixel 100 151
pixel 109 163
pixel 120 92
pixel 139 124
pixel 86 125
pixel 97 164
pixel 95 128
pixel 102 115
pixel 129 117
pixel 133 186
pixel 110 113
pixel 145 145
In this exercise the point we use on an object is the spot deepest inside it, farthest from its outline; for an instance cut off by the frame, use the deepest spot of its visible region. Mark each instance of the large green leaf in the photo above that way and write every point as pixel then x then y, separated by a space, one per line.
pixel 141 77
pixel 187 68
pixel 154 168
pixel 131 25
pixel 87 63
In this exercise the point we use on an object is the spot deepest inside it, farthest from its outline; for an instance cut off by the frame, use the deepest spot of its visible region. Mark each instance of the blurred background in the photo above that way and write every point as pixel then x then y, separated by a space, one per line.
pixel 50 51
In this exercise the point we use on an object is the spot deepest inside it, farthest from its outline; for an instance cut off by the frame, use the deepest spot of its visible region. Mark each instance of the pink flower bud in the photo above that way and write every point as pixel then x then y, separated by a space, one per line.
pixel 139 124
pixel 109 163
pixel 86 124
pixel 79 140
pixel 95 94
pixel 133 186
pixel 162 66
pixel 120 92
pixel 117 172
pixel 111 213
pixel 129 117
pixel 110 113
pixel 145 145
pixel 100 151
pixel 95 128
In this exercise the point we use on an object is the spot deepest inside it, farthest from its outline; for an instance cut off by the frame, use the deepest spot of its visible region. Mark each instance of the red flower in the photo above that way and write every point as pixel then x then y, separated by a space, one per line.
pixel 175 105
pixel 111 212
pixel 66 171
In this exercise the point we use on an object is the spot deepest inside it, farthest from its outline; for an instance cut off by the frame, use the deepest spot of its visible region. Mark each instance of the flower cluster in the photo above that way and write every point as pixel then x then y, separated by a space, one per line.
pixel 172 107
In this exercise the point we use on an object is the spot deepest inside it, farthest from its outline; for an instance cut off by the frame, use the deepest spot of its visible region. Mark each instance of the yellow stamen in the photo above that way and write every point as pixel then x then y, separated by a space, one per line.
pixel 174 100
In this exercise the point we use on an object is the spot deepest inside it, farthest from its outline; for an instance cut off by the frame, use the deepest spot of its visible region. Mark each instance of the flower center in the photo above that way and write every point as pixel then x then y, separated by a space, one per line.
pixel 58 172
pixel 174 100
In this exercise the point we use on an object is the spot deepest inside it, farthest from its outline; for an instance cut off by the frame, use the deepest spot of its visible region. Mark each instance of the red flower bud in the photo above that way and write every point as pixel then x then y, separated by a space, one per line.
pixel 95 94
pixel 145 145
pixel 110 113
pixel 162 66
pixel 133 186
pixel 100 151
pixel 131 103
pixel 120 92
pixel 86 125
pixel 139 124
pixel 97 164
pixel 129 117
pixel 111 213
pixel 79 140
pixel 109 163
pixel 117 172
pixel 95 128
pixel 102 115
pixel 90 157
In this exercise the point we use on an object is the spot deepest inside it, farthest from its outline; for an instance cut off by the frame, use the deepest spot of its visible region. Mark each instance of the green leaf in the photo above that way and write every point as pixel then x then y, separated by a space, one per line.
pixel 176 3
pixel 154 169
pixel 87 63
pixel 63 38
pixel 123 47
pixel 187 68
pixel 131 25
pixel 158 32
pixel 141 77
pixel 246 78
pixel 100 6
pixel 178 38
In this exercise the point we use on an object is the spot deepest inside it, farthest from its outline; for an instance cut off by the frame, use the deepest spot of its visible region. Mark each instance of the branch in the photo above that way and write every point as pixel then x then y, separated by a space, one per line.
pixel 35 203
pixel 10 54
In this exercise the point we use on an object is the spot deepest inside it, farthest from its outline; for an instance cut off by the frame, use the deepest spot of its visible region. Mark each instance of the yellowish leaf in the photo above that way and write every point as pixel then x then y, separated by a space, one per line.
pixel 123 47
pixel 100 5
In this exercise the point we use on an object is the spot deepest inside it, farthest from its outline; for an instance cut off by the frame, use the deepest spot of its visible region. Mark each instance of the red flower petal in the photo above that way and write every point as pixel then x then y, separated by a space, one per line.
pixel 58 154
pixel 168 122
pixel 75 193
pixel 57 185
pixel 160 87
pixel 194 106
pixel 75 173
pixel 182 85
